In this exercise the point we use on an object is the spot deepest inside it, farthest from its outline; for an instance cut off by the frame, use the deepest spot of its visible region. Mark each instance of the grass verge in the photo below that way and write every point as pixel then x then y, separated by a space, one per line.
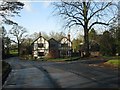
pixel 114 62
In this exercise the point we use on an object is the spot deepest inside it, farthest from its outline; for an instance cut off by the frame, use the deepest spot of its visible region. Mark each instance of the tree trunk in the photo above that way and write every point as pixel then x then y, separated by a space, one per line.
pixel 8 51
pixel 3 51
pixel 18 48
pixel 86 40
pixel 86 37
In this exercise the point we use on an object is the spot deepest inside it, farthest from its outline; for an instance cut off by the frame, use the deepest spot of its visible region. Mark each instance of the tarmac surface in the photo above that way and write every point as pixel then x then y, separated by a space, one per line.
pixel 75 74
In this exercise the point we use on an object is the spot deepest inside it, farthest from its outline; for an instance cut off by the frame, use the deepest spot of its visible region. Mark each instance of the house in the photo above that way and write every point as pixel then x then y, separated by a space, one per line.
pixel 40 47
pixel 94 49
pixel 65 47
pixel 51 48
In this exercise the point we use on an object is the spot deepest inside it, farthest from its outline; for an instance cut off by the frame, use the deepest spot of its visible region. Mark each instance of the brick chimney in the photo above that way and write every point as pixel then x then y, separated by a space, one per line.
pixel 39 33
pixel 69 36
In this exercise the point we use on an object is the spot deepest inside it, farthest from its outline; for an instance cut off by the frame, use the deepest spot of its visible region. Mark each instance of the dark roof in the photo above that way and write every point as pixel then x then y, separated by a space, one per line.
pixel 53 39
pixel 58 41
pixel 38 38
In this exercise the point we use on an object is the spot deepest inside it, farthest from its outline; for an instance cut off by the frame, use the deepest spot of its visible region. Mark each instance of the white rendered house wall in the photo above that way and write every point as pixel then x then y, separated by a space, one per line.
pixel 41 45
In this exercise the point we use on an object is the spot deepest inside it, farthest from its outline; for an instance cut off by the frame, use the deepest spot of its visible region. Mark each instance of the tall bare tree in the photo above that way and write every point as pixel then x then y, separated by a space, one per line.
pixel 85 14
pixel 19 33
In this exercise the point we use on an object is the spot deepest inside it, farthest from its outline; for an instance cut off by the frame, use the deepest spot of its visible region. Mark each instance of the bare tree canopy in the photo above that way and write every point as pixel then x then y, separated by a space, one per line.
pixel 19 33
pixel 10 9
pixel 86 15
pixel 57 35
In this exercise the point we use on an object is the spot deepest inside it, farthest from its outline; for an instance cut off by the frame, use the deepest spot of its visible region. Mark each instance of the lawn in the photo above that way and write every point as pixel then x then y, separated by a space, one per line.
pixel 13 52
pixel 111 57
pixel 113 62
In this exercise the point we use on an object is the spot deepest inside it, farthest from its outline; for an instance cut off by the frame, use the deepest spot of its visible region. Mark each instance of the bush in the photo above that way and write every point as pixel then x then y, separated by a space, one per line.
pixel 5 67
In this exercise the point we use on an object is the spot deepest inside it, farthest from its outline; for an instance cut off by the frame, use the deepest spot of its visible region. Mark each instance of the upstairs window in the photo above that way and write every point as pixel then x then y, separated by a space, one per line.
pixel 40 45
pixel 64 45
pixel 52 45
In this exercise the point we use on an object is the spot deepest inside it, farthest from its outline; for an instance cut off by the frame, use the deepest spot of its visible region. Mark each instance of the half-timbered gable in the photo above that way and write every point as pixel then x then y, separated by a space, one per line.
pixel 40 47
pixel 51 48
pixel 65 47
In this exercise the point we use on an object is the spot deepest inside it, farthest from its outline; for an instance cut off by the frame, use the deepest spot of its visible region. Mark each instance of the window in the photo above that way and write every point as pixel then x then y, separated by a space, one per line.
pixel 64 45
pixel 40 45
pixel 52 45
pixel 40 53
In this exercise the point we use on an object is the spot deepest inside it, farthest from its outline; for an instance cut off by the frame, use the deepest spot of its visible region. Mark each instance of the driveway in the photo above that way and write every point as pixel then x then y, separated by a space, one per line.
pixel 41 74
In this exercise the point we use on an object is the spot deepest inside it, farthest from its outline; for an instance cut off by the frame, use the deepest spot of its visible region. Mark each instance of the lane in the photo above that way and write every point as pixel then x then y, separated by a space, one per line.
pixel 103 76
pixel 41 74
pixel 87 76
pixel 46 73
pixel 67 79
pixel 25 75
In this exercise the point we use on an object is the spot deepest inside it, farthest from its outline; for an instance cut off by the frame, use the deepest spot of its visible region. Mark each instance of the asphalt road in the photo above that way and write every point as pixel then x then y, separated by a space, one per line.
pixel 76 74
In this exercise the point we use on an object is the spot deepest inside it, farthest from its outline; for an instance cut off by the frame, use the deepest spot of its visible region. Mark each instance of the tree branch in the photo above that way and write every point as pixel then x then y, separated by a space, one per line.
pixel 74 24
pixel 102 8
pixel 14 41
pixel 73 5
pixel 96 23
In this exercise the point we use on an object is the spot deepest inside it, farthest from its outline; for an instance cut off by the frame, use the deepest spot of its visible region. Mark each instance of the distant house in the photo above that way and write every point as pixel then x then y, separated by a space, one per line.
pixel 65 47
pixel 52 48
pixel 94 49
pixel 40 47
